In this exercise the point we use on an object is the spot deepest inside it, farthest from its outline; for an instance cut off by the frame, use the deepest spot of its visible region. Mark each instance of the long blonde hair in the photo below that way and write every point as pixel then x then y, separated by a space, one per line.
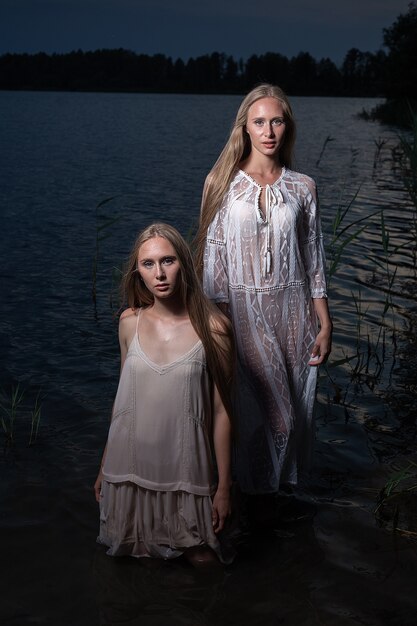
pixel 236 150
pixel 200 310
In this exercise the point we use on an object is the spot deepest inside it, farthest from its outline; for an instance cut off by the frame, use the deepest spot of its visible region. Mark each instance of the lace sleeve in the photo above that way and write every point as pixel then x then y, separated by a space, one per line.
pixel 312 244
pixel 215 274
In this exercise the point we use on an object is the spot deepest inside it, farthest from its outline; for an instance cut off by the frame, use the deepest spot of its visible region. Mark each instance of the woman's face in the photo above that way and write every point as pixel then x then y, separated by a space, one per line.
pixel 265 126
pixel 159 268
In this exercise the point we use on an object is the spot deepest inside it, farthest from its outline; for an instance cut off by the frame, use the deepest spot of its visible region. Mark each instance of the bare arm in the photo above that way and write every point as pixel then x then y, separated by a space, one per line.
pixel 222 438
pixel 99 479
pixel 323 343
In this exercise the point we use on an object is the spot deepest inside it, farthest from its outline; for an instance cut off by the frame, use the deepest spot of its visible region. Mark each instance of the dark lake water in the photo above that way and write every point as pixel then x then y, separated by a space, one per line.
pixel 145 157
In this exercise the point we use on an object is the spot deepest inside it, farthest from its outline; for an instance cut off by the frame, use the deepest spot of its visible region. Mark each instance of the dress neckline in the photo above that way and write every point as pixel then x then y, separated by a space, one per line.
pixel 161 367
pixel 255 182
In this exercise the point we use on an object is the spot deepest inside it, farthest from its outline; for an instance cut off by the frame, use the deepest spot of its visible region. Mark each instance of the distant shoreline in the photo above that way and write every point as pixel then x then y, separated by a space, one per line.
pixel 123 71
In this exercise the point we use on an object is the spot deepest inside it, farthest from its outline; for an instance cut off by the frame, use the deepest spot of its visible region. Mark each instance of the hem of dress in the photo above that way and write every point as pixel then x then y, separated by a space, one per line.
pixel 135 521
pixel 162 551
pixel 146 484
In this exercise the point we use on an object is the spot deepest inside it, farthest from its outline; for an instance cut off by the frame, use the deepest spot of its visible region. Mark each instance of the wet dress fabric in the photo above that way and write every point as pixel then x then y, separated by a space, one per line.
pixel 268 265
pixel 158 474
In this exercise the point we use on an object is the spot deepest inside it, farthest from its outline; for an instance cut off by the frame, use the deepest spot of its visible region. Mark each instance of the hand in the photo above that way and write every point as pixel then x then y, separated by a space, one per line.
pixel 221 509
pixel 322 348
pixel 97 486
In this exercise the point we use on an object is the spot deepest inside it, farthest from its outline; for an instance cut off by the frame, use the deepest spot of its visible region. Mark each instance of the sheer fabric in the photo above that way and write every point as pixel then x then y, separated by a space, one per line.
pixel 158 474
pixel 268 267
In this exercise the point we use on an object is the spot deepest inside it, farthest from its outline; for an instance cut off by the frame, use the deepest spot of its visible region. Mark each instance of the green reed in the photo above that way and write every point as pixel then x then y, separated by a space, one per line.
pixel 397 501
pixel 408 164
pixel 408 146
pixel 35 415
pixel 370 353
pixel 387 251
pixel 365 364
pixel 9 405
pixel 376 330
pixel 14 412
pixel 342 235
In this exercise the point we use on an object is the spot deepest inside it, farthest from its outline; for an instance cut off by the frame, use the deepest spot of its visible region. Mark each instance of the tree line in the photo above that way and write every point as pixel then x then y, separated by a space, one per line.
pixel 390 73
pixel 361 74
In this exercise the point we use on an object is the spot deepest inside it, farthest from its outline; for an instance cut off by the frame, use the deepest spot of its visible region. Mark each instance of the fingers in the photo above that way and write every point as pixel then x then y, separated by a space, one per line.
pixel 319 354
pixel 97 490
pixel 218 520
pixel 218 523
pixel 219 516
pixel 315 358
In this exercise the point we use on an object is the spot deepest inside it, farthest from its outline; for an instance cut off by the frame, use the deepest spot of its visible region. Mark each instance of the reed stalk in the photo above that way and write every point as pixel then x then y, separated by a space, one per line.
pixel 326 142
pixel 397 501
pixel 9 405
pixel 379 145
pixel 408 167
pixel 341 235
pixel 35 418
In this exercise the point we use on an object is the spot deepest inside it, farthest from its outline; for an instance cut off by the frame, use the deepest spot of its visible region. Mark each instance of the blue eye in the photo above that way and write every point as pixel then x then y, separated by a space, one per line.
pixel 278 121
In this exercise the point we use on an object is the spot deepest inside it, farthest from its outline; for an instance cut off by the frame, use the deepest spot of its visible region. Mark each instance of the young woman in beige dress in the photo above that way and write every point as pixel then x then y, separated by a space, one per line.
pixel 164 481
pixel 260 251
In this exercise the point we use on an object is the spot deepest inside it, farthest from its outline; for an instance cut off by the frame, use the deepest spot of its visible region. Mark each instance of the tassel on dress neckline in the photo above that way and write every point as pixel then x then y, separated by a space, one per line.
pixel 271 200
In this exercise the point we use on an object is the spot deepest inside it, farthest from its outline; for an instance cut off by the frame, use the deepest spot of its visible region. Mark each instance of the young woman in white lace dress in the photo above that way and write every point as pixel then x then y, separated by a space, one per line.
pixel 164 481
pixel 260 249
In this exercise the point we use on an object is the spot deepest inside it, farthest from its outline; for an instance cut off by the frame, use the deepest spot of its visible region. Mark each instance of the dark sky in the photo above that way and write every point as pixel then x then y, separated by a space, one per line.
pixel 190 28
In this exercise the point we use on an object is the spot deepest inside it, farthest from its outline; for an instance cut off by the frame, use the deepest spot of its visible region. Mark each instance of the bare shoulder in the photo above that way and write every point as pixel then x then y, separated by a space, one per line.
pixel 128 313
pixel 127 328
pixel 127 321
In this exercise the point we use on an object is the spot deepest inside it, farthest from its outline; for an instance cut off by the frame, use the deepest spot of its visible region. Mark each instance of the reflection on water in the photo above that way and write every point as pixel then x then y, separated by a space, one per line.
pixel 337 571
pixel 159 593
pixel 62 155
pixel 154 592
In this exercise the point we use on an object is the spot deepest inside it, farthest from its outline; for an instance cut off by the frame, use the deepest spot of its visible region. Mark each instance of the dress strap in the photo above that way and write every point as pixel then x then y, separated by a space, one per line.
pixel 137 319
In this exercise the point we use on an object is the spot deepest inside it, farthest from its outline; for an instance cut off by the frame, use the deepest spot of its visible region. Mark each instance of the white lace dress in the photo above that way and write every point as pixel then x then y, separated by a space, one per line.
pixel 268 269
